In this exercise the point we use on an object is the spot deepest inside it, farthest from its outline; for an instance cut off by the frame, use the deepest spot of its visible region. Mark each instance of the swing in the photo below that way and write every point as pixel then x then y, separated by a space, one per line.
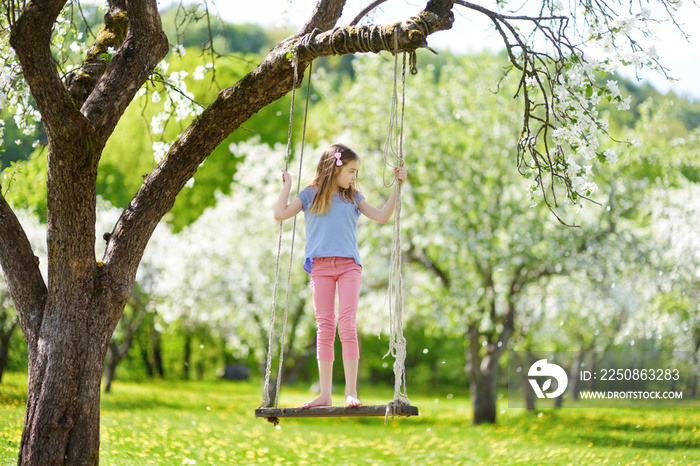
pixel 400 405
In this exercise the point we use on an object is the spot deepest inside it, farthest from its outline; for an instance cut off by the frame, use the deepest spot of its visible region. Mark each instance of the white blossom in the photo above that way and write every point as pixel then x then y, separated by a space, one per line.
pixel 610 156
pixel 158 123
pixel 160 149
pixel 178 50
pixel 625 103
pixel 613 88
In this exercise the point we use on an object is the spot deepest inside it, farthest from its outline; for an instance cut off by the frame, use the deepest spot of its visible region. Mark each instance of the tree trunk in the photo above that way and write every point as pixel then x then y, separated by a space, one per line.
pixel 524 380
pixel 150 372
pixel 62 423
pixel 483 392
pixel 111 366
pixel 4 349
pixel 130 323
pixel 483 371
pixel 149 342
pixel 68 322
pixel 187 356
pixel 574 386
pixel 5 335
pixel 694 385
pixel 157 354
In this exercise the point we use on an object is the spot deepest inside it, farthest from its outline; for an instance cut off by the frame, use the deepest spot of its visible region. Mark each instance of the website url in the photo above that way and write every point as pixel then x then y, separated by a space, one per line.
pixel 631 395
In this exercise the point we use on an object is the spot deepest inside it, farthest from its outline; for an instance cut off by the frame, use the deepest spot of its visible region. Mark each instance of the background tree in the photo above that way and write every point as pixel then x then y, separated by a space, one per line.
pixel 69 319
pixel 675 307
pixel 218 272
pixel 8 324
pixel 123 337
pixel 481 251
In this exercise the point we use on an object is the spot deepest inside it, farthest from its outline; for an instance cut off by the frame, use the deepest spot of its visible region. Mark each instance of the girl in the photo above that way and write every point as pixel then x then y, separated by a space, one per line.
pixel 332 205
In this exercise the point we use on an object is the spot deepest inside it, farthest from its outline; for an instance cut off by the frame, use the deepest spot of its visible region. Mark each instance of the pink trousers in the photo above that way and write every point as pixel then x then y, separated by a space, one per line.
pixel 326 273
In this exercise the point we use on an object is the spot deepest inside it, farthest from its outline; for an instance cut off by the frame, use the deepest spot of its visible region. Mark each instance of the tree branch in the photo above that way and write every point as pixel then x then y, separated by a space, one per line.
pixel 364 12
pixel 31 38
pixel 145 45
pixel 404 36
pixel 82 81
pixel 537 155
pixel 21 271
pixel 421 257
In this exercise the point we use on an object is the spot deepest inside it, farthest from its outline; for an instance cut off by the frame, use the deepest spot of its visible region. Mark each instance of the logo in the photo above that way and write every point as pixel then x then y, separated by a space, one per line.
pixel 544 369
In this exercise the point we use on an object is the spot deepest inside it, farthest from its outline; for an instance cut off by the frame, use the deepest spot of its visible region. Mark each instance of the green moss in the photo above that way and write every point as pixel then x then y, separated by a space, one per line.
pixel 112 34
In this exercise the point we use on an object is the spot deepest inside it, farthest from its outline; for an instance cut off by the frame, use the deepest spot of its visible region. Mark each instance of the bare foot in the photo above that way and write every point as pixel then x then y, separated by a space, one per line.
pixel 352 401
pixel 317 402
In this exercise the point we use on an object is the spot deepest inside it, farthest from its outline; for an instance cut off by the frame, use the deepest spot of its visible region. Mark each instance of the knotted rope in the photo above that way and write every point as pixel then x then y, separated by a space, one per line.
pixel 364 39
pixel 397 342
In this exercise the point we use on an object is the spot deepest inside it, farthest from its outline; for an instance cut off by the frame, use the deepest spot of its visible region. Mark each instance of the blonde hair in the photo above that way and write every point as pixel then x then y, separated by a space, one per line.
pixel 326 171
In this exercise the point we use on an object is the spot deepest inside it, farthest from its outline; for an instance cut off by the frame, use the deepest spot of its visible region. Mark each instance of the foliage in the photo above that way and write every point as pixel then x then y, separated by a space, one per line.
pixel 478 253
pixel 675 306
pixel 433 308
pixel 193 27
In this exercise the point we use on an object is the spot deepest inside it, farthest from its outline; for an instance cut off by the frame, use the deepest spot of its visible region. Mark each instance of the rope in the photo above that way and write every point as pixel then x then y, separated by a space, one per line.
pixel 266 387
pixel 397 342
pixel 369 38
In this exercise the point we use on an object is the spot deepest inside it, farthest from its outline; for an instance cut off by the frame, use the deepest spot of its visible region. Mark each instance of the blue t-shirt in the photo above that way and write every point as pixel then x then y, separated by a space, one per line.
pixel 333 234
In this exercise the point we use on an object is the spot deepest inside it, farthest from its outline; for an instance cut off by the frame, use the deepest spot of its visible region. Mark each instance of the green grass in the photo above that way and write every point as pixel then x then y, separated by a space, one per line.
pixel 212 423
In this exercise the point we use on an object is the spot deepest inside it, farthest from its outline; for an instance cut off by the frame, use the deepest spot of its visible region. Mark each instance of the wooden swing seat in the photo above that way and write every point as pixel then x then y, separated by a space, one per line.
pixel 398 409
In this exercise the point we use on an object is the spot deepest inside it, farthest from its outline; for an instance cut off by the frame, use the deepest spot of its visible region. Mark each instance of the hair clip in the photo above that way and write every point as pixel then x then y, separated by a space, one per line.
pixel 337 156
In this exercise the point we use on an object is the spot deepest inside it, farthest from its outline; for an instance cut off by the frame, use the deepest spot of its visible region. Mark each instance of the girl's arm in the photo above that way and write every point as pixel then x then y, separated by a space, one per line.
pixel 284 209
pixel 384 214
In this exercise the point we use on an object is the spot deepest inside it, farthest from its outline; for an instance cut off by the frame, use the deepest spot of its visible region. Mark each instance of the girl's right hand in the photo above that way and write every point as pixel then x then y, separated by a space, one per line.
pixel 286 179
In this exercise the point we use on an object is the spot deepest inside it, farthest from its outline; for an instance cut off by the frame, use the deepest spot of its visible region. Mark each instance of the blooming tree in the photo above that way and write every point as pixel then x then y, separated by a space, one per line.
pixel 68 319
pixel 219 272
pixel 675 316
pixel 488 266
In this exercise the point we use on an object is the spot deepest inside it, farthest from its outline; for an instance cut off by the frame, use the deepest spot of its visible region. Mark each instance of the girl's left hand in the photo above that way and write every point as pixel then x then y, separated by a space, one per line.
pixel 400 174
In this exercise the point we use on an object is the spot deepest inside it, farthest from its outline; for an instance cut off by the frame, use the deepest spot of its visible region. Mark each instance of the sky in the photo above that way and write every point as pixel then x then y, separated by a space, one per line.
pixel 470 33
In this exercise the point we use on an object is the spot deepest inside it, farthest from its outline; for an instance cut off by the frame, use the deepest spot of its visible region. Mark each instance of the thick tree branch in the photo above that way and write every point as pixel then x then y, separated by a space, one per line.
pixel 21 271
pixel 267 83
pixel 145 45
pixel 82 81
pixel 31 39
pixel 404 36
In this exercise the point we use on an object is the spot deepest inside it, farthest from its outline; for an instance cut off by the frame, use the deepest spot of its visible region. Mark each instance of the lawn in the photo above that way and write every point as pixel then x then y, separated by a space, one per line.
pixel 212 423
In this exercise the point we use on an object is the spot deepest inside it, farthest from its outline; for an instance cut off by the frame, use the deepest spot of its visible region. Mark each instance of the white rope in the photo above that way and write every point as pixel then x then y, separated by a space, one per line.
pixel 266 387
pixel 397 342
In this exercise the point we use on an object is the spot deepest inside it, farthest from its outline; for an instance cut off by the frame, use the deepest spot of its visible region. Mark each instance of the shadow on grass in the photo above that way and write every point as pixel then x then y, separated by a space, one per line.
pixel 179 395
pixel 665 429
